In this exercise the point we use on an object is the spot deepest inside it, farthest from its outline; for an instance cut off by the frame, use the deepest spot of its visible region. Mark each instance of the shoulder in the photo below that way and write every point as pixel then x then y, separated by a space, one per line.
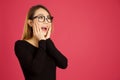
pixel 19 43
pixel 20 46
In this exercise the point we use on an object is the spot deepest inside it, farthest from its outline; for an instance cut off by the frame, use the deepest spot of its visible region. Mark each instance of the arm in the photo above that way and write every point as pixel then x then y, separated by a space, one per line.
pixel 60 60
pixel 27 60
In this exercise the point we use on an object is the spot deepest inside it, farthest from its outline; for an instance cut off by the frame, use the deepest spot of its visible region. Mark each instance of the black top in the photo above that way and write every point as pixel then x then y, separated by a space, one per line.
pixel 39 63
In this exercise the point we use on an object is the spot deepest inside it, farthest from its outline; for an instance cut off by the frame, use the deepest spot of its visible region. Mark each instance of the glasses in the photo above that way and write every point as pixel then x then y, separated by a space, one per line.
pixel 42 18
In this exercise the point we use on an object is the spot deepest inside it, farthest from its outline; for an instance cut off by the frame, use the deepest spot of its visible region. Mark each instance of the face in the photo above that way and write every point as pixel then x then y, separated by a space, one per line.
pixel 43 18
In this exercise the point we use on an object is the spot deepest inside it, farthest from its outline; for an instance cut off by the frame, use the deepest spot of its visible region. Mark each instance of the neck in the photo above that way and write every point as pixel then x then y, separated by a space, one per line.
pixel 34 40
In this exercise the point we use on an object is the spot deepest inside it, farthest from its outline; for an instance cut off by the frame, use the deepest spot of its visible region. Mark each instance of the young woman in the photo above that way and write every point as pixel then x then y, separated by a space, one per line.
pixel 36 52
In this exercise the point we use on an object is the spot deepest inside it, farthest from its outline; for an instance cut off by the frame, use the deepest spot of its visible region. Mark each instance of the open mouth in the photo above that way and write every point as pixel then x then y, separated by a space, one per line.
pixel 44 28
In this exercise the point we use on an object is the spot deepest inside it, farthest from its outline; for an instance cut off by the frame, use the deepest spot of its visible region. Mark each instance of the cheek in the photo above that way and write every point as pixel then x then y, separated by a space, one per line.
pixel 40 24
pixel 35 21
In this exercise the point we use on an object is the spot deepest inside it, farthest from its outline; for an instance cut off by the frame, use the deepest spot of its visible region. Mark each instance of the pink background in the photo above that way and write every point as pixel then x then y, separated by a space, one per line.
pixel 87 32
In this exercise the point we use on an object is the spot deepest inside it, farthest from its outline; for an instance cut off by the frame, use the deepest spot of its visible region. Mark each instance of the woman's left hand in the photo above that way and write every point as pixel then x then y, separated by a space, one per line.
pixel 48 33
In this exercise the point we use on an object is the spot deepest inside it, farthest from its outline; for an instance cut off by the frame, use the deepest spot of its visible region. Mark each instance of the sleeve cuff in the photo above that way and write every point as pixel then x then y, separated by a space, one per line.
pixel 42 44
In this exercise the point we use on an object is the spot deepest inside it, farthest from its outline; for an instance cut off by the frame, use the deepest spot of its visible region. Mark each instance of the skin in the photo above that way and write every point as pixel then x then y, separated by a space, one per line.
pixel 38 33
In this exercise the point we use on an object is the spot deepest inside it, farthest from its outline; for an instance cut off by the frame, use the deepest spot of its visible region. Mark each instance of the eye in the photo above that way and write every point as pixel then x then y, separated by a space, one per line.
pixel 49 17
pixel 41 17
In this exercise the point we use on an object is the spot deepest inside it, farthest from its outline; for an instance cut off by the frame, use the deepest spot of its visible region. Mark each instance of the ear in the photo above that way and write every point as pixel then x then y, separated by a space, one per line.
pixel 30 22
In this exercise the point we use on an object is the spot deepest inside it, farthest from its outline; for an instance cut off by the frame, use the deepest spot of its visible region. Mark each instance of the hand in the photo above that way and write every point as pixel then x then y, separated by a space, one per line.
pixel 37 32
pixel 48 33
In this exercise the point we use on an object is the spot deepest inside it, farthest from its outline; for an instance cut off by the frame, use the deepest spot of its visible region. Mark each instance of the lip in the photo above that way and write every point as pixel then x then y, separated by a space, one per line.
pixel 44 28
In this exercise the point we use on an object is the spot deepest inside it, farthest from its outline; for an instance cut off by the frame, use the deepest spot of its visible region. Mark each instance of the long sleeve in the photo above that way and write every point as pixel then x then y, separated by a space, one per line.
pixel 33 63
pixel 60 60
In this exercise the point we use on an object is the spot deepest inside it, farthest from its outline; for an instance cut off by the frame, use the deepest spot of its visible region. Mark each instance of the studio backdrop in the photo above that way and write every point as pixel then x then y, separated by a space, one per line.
pixel 87 32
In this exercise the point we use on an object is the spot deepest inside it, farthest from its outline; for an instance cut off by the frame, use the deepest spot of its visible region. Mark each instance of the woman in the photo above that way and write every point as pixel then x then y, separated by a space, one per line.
pixel 36 52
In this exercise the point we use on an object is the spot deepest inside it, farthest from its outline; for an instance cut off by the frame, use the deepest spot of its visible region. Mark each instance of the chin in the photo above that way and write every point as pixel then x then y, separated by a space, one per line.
pixel 45 34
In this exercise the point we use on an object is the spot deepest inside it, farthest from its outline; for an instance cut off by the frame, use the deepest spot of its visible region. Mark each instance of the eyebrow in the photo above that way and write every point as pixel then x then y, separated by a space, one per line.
pixel 42 15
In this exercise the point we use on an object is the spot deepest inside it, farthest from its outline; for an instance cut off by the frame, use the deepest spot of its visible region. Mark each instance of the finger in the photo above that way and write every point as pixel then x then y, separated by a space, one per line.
pixel 49 31
pixel 34 28
pixel 51 28
pixel 37 27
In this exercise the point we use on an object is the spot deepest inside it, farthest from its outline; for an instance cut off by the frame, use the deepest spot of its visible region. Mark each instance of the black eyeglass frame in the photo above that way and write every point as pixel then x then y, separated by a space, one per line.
pixel 51 17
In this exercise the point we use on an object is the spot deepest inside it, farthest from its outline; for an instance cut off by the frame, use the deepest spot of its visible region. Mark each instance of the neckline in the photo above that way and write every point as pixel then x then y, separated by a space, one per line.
pixel 30 44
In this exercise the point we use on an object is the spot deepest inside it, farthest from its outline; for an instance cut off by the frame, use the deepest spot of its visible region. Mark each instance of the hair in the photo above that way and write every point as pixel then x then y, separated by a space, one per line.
pixel 28 31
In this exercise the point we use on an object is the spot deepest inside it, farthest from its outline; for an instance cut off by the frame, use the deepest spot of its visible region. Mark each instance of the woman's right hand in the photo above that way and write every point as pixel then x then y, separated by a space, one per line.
pixel 37 32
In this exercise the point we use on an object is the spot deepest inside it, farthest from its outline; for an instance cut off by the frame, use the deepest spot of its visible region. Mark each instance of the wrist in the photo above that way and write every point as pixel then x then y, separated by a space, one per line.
pixel 41 38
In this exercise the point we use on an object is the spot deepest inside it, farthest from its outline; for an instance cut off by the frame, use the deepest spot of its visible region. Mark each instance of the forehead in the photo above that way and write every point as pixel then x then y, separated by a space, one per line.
pixel 41 11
